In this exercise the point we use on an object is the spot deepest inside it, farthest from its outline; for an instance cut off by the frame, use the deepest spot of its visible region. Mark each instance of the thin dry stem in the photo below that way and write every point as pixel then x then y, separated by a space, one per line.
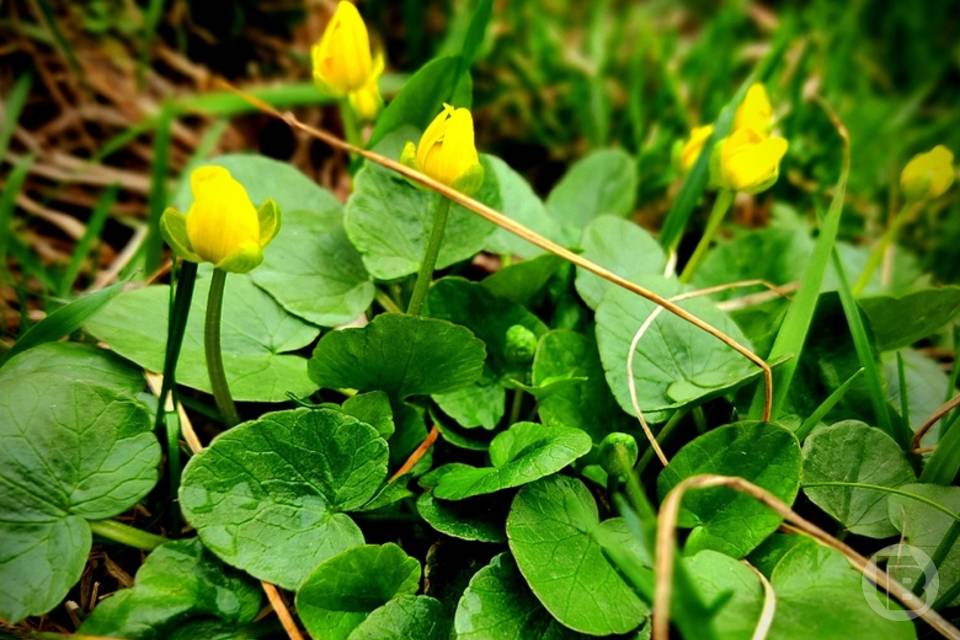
pixel 417 454
pixel 522 231
pixel 941 411
pixel 666 543
pixel 769 610
pixel 280 607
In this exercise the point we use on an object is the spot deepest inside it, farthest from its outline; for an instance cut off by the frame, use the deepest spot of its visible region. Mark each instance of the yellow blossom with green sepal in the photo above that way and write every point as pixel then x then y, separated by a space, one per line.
pixel 222 225
pixel 748 161
pixel 755 112
pixel 928 175
pixel 447 152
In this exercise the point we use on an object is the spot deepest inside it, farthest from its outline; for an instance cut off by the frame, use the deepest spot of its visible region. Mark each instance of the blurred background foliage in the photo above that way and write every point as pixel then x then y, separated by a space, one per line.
pixel 125 92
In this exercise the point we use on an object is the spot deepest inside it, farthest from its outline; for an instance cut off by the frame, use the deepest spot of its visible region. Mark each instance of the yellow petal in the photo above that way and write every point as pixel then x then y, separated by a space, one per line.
pixel 755 112
pixel 750 161
pixel 433 135
pixel 222 218
pixel 366 101
pixel 928 175
pixel 342 60
pixel 691 150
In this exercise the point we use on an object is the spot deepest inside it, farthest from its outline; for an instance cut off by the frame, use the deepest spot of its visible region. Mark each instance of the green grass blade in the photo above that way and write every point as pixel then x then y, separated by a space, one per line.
pixel 158 190
pixel 8 200
pixel 904 392
pixel 796 324
pixel 101 210
pixel 943 465
pixel 150 20
pixel 63 321
pixel 12 107
pixel 831 401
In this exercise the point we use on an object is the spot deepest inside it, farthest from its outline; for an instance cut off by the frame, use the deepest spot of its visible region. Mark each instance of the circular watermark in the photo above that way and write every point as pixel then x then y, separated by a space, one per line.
pixel 910 566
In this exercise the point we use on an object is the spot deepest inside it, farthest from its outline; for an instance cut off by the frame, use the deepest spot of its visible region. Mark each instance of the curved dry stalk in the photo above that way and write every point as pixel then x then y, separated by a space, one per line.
pixel 647 323
pixel 666 543
pixel 941 411
pixel 769 610
pixel 514 227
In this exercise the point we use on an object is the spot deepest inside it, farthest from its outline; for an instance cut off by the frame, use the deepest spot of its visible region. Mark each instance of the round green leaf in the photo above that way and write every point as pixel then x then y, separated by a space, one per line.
pixel 341 591
pixel 469 520
pixel 73 451
pixel 519 201
pixel 389 220
pixel 76 362
pixel 675 362
pixel 602 182
pixel 178 583
pixel 851 451
pixel 254 334
pixel 550 530
pixel 722 519
pixel 265 496
pixel 498 604
pixel 620 246
pixel 403 618
pixel 400 354
pixel 523 453
pixel 730 585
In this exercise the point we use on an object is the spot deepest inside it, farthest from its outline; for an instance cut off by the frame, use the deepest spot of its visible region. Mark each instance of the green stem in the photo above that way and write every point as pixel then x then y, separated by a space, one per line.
pixel 516 405
pixel 429 262
pixel 880 248
pixel 351 128
pixel 125 534
pixel 386 301
pixel 211 345
pixel 720 207
pixel 939 555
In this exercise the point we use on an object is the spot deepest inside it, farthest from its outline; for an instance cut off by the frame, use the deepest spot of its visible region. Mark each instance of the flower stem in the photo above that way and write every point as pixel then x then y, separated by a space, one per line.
pixel 880 248
pixel 425 275
pixel 720 207
pixel 125 534
pixel 211 344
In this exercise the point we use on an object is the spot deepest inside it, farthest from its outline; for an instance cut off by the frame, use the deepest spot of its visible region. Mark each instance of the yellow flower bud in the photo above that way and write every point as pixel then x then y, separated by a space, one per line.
pixel 447 152
pixel 691 150
pixel 928 175
pixel 366 101
pixel 755 112
pixel 342 62
pixel 222 226
pixel 748 161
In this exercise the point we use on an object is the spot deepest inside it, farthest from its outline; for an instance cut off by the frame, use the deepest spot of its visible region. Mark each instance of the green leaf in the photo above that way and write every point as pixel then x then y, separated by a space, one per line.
pixel 675 363
pixel 339 593
pixel 389 220
pixel 63 321
pixel 77 363
pixel 851 451
pixel 731 589
pixel 586 402
pixel 399 354
pixel 402 618
pixel 524 282
pixel 519 202
pixel 498 604
pixel 480 404
pixel 927 386
pixel 475 520
pixel 255 333
pixel 819 595
pixel 923 526
pixel 421 97
pixel 521 454
pixel 374 409
pixel 550 531
pixel 604 182
pixel 722 519
pixel 179 583
pixel 901 321
pixel 621 247
pixel 265 496
pixel 775 254
pixel 73 451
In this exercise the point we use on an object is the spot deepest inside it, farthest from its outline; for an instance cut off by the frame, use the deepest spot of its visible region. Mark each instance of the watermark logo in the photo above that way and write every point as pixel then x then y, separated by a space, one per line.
pixel 910 566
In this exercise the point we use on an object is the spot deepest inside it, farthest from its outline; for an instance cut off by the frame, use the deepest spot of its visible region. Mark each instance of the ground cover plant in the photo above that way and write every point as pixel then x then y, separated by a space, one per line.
pixel 479 320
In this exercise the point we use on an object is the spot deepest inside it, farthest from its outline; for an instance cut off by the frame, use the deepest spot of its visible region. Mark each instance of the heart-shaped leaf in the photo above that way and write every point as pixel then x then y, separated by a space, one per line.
pixel 519 201
pixel 178 583
pixel 851 451
pixel 621 247
pixel 267 496
pixel 550 534
pixel 604 182
pixel 476 520
pixel 722 519
pixel 523 453
pixel 255 333
pixel 400 354
pixel 343 590
pixel 73 451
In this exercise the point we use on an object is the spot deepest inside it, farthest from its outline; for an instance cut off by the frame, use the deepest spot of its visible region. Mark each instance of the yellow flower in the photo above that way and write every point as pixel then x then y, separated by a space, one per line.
pixel 748 161
pixel 691 150
pixel 755 112
pixel 928 175
pixel 447 152
pixel 222 226
pixel 342 62
pixel 366 101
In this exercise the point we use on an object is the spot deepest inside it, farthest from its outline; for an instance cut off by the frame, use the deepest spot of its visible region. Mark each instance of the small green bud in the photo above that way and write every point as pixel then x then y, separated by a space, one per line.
pixel 521 344
pixel 618 453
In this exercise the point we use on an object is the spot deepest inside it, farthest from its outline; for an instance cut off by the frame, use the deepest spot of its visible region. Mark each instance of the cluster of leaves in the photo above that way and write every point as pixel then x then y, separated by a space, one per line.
pixel 510 526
